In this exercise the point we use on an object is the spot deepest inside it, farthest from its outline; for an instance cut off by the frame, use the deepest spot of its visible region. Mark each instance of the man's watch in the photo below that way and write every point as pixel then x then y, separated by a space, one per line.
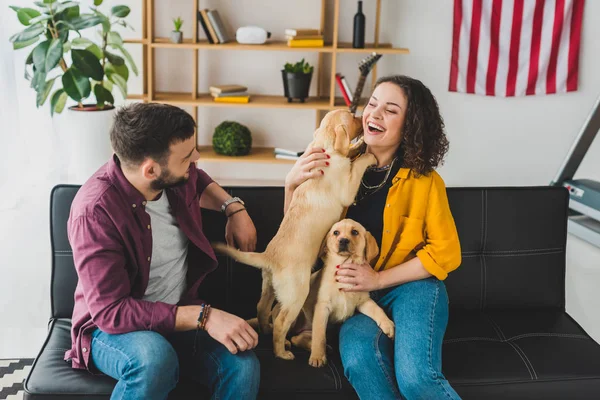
pixel 231 200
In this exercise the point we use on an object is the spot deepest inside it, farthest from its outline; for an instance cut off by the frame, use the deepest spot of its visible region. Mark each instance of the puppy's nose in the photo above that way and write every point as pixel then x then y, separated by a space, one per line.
pixel 344 241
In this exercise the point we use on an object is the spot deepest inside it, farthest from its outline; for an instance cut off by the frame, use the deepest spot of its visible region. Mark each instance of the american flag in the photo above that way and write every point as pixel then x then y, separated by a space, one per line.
pixel 515 47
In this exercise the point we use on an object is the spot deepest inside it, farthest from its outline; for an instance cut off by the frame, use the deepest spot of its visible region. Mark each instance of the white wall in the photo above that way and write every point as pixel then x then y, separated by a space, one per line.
pixel 494 141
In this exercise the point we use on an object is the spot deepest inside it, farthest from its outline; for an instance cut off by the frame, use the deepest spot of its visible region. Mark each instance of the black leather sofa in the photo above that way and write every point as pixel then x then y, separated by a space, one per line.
pixel 508 336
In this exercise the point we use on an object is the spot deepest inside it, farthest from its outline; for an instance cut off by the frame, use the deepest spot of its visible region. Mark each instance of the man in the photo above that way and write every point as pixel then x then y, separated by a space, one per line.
pixel 136 232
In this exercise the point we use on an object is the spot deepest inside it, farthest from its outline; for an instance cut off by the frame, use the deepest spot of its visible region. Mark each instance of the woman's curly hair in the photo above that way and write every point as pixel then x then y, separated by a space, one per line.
pixel 424 143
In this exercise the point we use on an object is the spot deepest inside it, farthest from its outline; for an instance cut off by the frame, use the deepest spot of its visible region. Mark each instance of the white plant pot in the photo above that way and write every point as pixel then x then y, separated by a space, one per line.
pixel 83 142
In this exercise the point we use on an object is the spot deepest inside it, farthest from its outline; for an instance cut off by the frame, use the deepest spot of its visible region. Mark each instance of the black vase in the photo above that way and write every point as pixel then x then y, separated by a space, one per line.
pixel 358 37
pixel 296 85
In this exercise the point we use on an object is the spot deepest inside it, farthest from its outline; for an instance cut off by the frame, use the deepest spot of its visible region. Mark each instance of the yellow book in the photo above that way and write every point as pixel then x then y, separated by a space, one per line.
pixel 232 99
pixel 305 43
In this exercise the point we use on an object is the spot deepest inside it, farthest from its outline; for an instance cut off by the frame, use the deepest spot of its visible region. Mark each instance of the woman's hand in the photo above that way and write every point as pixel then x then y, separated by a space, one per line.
pixel 308 166
pixel 362 276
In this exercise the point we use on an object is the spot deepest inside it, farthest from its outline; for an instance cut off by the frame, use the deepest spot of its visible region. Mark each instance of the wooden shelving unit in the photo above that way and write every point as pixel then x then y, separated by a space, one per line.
pixel 324 101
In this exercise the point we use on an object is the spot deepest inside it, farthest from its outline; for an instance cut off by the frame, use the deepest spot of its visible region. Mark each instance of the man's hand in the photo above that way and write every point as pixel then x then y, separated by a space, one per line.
pixel 230 330
pixel 240 229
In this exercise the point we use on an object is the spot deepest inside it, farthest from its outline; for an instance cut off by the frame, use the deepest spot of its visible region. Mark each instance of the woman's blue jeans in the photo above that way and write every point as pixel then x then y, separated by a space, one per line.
pixel 410 366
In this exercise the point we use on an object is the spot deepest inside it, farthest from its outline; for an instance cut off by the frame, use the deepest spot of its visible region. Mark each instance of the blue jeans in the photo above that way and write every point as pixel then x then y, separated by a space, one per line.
pixel 148 365
pixel 410 366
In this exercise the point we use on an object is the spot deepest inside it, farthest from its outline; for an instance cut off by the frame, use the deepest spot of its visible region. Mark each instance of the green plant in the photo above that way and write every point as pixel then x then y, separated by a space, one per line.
pixel 177 22
pixel 92 67
pixel 232 139
pixel 301 67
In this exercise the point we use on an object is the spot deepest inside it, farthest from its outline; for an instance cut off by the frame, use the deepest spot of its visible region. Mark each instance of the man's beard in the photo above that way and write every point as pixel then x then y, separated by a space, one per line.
pixel 166 180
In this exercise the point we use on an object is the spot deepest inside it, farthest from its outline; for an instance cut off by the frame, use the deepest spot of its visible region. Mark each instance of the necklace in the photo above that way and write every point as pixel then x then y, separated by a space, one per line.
pixel 387 175
pixel 368 189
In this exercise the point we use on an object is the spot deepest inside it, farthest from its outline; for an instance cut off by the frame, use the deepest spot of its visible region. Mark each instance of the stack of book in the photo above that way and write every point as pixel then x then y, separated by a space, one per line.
pixel 297 37
pixel 230 93
pixel 344 88
pixel 213 26
pixel 285 154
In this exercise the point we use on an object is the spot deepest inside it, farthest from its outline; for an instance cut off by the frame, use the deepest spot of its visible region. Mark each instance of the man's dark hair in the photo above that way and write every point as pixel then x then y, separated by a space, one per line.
pixel 146 130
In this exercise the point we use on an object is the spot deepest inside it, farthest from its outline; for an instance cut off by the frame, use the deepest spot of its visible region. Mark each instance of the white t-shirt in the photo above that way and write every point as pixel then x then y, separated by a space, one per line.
pixel 168 267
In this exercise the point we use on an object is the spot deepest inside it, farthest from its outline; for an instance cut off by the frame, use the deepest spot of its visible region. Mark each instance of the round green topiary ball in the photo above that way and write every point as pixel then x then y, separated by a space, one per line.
pixel 232 139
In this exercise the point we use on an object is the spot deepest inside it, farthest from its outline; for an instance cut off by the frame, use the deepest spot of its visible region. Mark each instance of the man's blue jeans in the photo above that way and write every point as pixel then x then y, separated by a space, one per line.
pixel 148 365
pixel 410 366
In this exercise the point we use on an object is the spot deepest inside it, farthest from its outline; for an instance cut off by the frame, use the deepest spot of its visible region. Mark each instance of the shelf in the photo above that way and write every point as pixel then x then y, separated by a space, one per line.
pixel 256 100
pixel 257 155
pixel 137 41
pixel 137 96
pixel 276 45
pixel 382 48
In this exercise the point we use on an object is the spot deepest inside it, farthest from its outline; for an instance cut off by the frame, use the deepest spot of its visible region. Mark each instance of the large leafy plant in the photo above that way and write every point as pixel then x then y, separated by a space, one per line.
pixel 93 68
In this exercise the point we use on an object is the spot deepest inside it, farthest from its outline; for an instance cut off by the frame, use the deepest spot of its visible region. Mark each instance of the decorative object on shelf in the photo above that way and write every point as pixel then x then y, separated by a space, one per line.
pixel 213 26
pixel 344 88
pixel 358 37
pixel 176 34
pixel 296 80
pixel 252 35
pixel 304 38
pixel 286 154
pixel 365 66
pixel 232 139
pixel 229 93
pixel 83 67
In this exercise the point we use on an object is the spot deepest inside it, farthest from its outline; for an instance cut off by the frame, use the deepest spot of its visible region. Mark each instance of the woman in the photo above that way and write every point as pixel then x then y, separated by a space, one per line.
pixel 402 201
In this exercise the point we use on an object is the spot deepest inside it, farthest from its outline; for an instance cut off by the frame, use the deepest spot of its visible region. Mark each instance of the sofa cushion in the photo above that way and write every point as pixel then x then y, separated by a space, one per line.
pixel 53 378
pixel 493 353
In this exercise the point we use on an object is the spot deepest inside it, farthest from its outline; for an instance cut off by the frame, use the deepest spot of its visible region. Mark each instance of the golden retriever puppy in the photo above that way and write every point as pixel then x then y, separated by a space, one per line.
pixel 347 242
pixel 316 205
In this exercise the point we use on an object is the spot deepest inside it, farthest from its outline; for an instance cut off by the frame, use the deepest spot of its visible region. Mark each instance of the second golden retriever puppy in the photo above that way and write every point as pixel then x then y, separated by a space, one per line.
pixel 346 242
pixel 316 205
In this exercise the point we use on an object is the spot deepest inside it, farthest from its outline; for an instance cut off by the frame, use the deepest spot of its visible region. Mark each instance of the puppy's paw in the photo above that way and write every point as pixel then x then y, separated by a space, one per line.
pixel 286 355
pixel 388 328
pixel 317 361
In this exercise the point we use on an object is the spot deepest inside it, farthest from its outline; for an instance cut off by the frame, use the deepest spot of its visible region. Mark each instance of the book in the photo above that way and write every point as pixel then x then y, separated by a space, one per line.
pixel 211 30
pixel 229 88
pixel 204 28
pixel 229 94
pixel 218 26
pixel 305 43
pixel 347 88
pixel 286 157
pixel 304 37
pixel 301 31
pixel 338 78
pixel 292 153
pixel 232 99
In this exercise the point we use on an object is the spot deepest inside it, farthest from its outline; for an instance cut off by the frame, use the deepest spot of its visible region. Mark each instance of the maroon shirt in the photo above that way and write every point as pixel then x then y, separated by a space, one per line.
pixel 110 234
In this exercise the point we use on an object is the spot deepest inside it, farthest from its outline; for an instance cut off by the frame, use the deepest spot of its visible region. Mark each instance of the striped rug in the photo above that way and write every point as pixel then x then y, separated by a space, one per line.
pixel 12 375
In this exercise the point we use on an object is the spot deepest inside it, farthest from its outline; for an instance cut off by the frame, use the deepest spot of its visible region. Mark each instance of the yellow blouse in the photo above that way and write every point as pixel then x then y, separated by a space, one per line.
pixel 417 222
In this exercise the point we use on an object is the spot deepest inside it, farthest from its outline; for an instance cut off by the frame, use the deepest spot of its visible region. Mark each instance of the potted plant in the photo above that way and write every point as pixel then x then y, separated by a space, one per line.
pixel 177 35
pixel 296 80
pixel 87 72
pixel 232 139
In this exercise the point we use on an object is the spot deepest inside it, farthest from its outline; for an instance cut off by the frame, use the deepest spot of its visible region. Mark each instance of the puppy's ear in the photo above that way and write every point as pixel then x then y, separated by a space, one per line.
pixel 342 140
pixel 356 148
pixel 371 248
